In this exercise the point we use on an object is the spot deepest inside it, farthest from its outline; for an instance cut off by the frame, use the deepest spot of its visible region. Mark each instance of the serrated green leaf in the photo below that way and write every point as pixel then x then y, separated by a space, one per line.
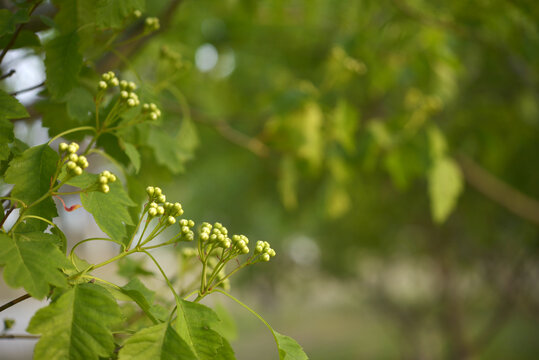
pixel 33 261
pixel 109 210
pixel 193 325
pixel 225 352
pixel 140 294
pixel 77 325
pixel 11 108
pixel 6 136
pixel 56 119
pixel 25 38
pixel 132 153
pixel 63 63
pixel 156 342
pixel 32 173
pixel 445 186
pixel 289 349
pixel 113 13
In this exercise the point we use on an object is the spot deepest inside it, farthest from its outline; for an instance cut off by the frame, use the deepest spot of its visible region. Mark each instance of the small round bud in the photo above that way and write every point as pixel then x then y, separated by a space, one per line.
pixel 73 157
pixel 103 179
pixel 145 107
pixel 259 249
pixel 150 190
pixel 157 112
pixel 131 103
pixel 77 170
pixel 106 173
pixel 123 85
pixel 265 257
pixel 185 229
pixel 245 250
pixel 153 107
pixel 204 237
pixel 124 94
pixel 114 82
pixel 131 86
pixel 102 85
pixel 191 223
pixel 82 159
pixel 105 188
pixel 184 222
pixel 158 191
pixel 71 149
pixel 160 210
pixel 271 252
pixel 71 165
pixel 190 236
pixel 153 205
pixel 112 178
pixel 152 212
pixel 162 198
pixel 153 116
pixel 105 76
pixel 137 13
pixel 62 147
pixel 171 220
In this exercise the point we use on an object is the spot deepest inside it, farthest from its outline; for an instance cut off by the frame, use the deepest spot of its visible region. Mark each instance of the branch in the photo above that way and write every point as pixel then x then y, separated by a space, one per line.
pixel 15 93
pixel 498 191
pixel 5 76
pixel 13 302
pixel 18 336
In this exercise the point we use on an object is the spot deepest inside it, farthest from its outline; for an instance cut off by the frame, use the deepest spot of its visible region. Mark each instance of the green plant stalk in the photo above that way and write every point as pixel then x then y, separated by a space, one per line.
pixel 229 275
pixel 138 225
pixel 176 296
pixel 81 128
pixel 252 312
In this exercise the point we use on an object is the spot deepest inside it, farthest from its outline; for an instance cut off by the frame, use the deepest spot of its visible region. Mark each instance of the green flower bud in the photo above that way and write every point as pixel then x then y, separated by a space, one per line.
pixel 171 220
pixel 77 170
pixel 103 179
pixel 153 205
pixel 271 252
pixel 71 165
pixel 150 191
pixel 265 257
pixel 146 107
pixel 153 107
pixel 131 103
pixel 123 85
pixel 152 212
pixel 158 191
pixel 191 223
pixel 124 94
pixel 112 178
pixel 82 159
pixel 184 222
pixel 105 76
pixel 72 149
pixel 245 250
pixel 153 116
pixel 137 13
pixel 62 147
pixel 185 229
pixel 105 188
pixel 160 210
pixel 114 82
pixel 132 86
pixel 190 236
pixel 162 198
pixel 106 173
pixel 204 236
pixel 73 157
pixel 258 249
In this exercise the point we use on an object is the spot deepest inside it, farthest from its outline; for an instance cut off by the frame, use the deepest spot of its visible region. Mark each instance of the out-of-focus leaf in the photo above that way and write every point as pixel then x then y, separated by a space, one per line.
pixel 289 349
pixel 9 20
pixel 288 180
pixel 80 104
pixel 132 153
pixel 344 124
pixel 156 342
pixel 166 150
pixel 77 325
pixel 445 186
pixel 11 108
pixel 33 261
pixel 26 38
pixel 114 13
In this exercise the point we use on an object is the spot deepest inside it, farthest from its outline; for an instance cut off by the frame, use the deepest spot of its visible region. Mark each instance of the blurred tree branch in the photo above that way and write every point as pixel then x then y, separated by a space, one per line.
pixel 498 191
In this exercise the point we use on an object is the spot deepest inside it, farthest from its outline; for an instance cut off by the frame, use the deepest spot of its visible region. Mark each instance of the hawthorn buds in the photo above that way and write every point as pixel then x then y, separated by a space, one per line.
pixel 151 111
pixel 104 178
pixel 264 250
pixel 151 24
pixel 75 164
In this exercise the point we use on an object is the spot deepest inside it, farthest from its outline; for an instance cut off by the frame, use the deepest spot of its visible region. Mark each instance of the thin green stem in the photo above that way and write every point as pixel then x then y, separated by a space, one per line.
pixel 117 257
pixel 86 240
pixel 143 231
pixel 190 294
pixel 137 227
pixel 252 312
pixel 230 274
pixel 164 275
pixel 11 198
pixel 82 128
pixel 39 218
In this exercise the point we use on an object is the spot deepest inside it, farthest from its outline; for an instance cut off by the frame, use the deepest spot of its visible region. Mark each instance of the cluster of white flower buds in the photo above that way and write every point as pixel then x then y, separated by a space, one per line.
pixel 108 79
pixel 127 94
pixel 239 243
pixel 104 178
pixel 151 24
pixel 75 164
pixel 264 250
pixel 215 234
pixel 186 229
pixel 151 110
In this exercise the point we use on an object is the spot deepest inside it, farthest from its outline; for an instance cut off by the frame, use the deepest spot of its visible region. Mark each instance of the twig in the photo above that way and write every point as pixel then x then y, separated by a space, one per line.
pixel 252 144
pixel 498 191
pixel 13 302
pixel 11 72
pixel 16 34
pixel 18 336
pixel 27 89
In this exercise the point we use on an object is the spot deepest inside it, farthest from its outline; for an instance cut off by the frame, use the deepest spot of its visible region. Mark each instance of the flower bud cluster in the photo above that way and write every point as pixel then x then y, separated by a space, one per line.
pixel 186 227
pixel 216 234
pixel 127 93
pixel 151 24
pixel 240 243
pixel 151 111
pixel 108 79
pixel 264 250
pixel 75 164
pixel 104 178
pixel 159 206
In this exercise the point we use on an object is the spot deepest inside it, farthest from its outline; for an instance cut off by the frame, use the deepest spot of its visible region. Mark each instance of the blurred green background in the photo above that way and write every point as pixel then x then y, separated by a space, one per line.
pixel 388 150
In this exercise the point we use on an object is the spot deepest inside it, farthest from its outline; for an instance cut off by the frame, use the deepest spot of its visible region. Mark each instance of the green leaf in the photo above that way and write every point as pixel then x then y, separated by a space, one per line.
pixel 32 260
pixel 193 325
pixel 32 173
pixel 186 140
pixel 288 182
pixel 113 13
pixel 140 294
pixel 77 325
pixel 166 150
pixel 63 63
pixel 11 108
pixel 225 352
pixel 445 186
pixel 156 342
pixel 289 349
pixel 109 210
pixel 132 153
pixel 6 136
pixel 26 38
pixel 8 20
pixel 344 124
pixel 437 143
pixel 80 104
